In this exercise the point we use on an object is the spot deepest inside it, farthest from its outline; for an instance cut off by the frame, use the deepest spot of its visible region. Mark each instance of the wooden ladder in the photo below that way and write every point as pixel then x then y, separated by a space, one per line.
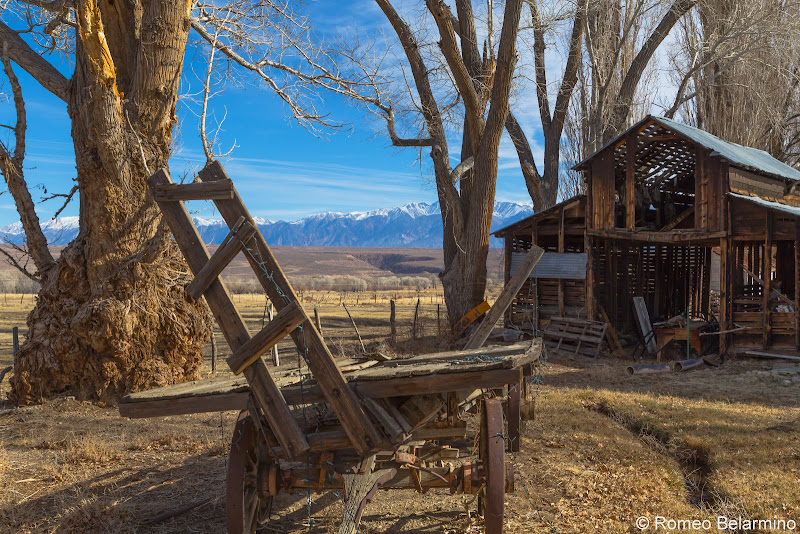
pixel 291 318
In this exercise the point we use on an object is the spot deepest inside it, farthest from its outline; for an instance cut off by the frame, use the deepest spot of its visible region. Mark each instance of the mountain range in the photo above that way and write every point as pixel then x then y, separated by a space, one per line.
pixel 412 225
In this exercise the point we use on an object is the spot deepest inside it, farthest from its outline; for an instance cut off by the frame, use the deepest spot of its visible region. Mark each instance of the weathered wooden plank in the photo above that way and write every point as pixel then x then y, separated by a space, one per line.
pixel 646 236
pixel 416 385
pixel 220 259
pixel 309 394
pixel 266 393
pixel 767 325
pixel 171 192
pixel 289 318
pixel 679 219
pixel 208 403
pixel 504 300
pixel 630 180
pixel 338 395
pixel 797 284
pixel 645 327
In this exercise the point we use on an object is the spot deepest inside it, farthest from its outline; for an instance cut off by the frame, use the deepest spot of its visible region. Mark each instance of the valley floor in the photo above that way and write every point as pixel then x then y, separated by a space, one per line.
pixel 604 449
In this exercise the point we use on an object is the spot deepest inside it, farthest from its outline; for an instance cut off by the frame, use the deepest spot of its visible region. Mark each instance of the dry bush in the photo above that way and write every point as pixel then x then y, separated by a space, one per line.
pixel 89 449
pixel 4 463
pixel 93 515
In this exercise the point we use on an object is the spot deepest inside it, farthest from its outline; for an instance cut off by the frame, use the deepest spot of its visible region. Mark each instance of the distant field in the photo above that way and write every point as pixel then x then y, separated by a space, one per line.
pixel 303 263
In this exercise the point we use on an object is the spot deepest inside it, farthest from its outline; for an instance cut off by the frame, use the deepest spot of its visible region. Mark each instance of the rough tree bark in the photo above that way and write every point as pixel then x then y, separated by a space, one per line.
pixel 466 192
pixel 112 315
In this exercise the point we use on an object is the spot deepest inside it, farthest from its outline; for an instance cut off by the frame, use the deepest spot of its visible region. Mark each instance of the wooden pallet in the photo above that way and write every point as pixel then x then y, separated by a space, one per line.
pixel 574 336
pixel 291 318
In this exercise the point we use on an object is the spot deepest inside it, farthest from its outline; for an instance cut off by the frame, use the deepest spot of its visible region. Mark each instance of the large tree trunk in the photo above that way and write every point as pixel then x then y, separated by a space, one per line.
pixel 112 315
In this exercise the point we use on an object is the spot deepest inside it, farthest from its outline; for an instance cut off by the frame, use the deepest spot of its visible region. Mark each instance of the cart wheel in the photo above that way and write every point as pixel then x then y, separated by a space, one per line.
pixel 493 457
pixel 247 505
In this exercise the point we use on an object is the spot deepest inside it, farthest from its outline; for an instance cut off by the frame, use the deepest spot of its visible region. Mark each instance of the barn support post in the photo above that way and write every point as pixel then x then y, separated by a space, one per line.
pixel 589 283
pixel 506 277
pixel 630 181
pixel 797 283
pixel 723 296
pixel 767 277
pixel 561 250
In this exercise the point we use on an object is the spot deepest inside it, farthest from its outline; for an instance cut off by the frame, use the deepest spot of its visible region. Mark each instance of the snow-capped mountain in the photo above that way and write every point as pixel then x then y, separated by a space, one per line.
pixel 412 225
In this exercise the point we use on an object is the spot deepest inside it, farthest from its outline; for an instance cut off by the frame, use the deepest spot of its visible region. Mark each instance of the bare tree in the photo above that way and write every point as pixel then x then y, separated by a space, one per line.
pixel 621 39
pixel 736 60
pixel 112 316
pixel 482 82
pixel 544 187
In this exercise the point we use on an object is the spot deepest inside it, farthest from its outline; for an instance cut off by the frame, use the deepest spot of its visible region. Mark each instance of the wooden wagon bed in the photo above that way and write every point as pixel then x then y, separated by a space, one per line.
pixel 485 368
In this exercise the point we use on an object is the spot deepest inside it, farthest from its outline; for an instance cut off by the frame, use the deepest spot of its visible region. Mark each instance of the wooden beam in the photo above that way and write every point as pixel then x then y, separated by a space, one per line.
pixel 185 405
pixel 674 236
pixel 677 220
pixel 266 393
pixel 171 192
pixel 611 333
pixel 767 317
pixel 561 248
pixel 362 432
pixel 630 181
pixel 724 271
pixel 228 250
pixel 797 283
pixel 290 317
pixel 503 301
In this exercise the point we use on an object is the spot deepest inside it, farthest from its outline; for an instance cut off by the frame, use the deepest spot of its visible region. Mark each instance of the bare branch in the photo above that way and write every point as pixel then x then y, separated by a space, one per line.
pixel 461 168
pixel 396 141
pixel 33 63
pixel 11 168
pixel 11 260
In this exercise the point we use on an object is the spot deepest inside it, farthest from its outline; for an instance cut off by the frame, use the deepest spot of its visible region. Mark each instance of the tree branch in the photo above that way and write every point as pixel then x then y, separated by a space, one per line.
pixel 501 88
pixel 397 141
pixel 33 63
pixel 11 167
pixel 461 168
pixel 449 47
pixel 21 268
pixel 631 81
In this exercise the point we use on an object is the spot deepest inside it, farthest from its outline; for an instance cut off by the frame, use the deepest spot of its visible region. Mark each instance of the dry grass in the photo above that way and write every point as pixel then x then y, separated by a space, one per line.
pixel 70 466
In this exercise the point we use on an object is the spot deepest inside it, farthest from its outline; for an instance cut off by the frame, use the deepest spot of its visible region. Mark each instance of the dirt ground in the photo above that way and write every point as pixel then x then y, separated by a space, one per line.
pixel 604 449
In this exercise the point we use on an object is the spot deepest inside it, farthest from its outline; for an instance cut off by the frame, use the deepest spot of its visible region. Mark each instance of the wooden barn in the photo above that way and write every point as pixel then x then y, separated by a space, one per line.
pixel 694 225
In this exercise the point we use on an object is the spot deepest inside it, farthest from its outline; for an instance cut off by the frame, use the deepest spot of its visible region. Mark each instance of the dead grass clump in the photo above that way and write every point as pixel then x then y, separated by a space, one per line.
pixel 4 464
pixel 89 449
pixel 93 515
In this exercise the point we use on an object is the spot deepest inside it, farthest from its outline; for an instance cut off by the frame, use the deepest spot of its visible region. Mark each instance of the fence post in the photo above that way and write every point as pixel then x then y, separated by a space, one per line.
pixel 438 321
pixel 15 342
pixel 414 328
pixel 213 352
pixel 392 325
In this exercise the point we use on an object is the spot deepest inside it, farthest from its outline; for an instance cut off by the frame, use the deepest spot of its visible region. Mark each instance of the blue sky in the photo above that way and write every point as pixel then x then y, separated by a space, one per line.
pixel 282 170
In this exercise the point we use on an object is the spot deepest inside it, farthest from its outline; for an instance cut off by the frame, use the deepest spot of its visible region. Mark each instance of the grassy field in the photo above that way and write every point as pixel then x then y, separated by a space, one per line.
pixel 604 449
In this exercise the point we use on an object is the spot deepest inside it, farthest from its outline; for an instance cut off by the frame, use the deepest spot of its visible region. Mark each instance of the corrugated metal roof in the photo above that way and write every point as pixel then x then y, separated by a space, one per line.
pixel 561 266
pixel 737 154
pixel 791 210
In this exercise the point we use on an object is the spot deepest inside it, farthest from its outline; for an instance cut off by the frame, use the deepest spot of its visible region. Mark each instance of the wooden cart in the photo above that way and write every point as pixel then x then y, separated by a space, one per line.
pixel 419 404
pixel 326 425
